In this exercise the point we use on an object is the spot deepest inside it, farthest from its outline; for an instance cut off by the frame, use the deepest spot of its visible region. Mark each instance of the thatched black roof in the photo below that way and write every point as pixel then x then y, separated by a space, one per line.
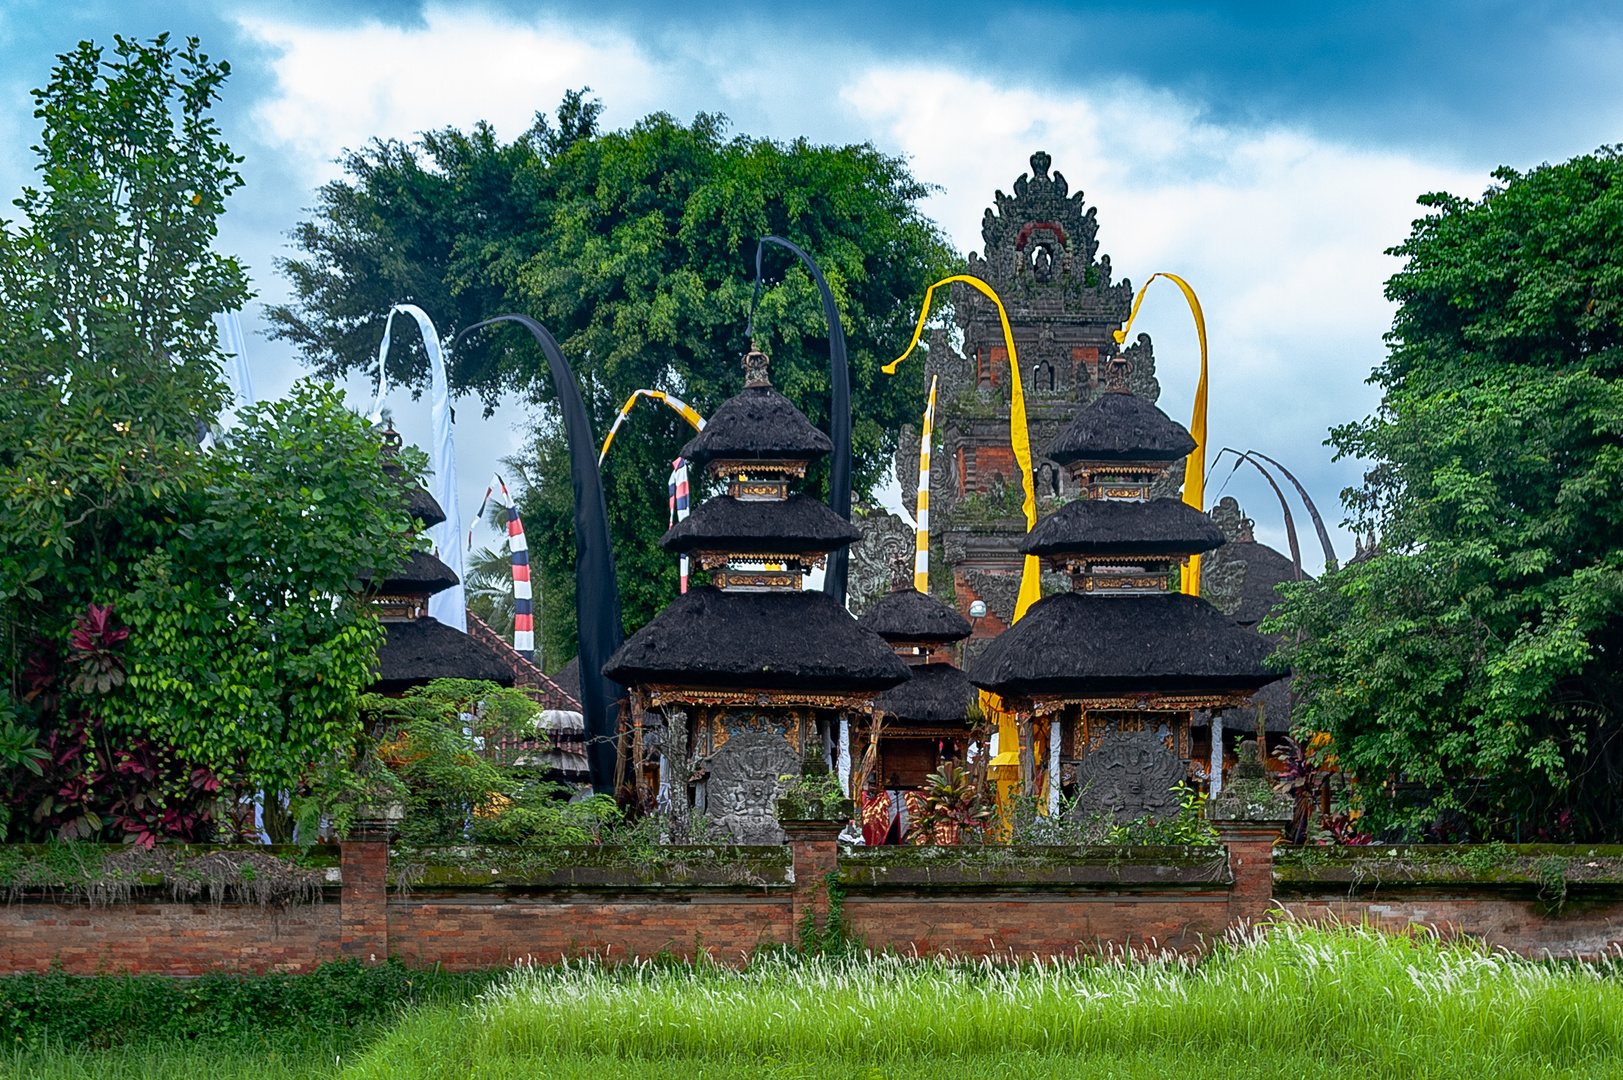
pixel 419 503
pixel 568 677
pixel 418 650
pixel 936 694
pixel 909 615
pixel 1264 568
pixel 759 423
pixel 424 507
pixel 791 640
pixel 1117 527
pixel 1121 427
pixel 422 574
pixel 798 523
pixel 1075 643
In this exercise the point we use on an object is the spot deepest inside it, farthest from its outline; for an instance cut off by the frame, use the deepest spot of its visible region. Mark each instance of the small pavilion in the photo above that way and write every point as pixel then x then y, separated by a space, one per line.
pixel 924 721
pixel 747 673
pixel 1103 679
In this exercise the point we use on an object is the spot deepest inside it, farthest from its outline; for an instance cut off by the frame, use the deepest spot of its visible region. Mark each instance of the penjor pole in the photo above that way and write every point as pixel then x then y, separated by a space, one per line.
pixel 597 593
pixel 839 408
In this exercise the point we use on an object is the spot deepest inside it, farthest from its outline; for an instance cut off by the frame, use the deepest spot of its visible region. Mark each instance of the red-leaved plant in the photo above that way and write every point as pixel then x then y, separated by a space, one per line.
pixel 90 649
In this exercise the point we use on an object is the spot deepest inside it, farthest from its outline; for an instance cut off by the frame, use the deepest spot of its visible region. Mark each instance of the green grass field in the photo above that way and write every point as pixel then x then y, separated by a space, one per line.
pixel 1297 1002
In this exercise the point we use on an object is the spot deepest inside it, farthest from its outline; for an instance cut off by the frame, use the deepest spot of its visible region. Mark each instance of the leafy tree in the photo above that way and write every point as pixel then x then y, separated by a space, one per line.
pixel 1474 652
pixel 178 627
pixel 636 249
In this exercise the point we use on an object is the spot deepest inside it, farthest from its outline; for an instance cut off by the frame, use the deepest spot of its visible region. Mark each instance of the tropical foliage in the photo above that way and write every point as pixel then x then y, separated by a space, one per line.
pixel 1469 663
pixel 181 628
pixel 636 248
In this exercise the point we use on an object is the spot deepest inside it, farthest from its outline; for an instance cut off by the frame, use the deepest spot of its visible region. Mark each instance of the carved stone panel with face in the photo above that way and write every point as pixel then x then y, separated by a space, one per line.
pixel 1130 774
pixel 744 775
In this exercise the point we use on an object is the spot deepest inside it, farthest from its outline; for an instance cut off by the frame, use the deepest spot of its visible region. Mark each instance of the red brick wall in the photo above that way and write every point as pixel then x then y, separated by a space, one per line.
pixel 1044 924
pixel 474 931
pixel 483 927
pixel 1581 929
pixel 168 938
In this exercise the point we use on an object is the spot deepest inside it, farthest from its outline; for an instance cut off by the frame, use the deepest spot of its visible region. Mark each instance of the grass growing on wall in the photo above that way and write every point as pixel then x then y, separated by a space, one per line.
pixel 1299 1001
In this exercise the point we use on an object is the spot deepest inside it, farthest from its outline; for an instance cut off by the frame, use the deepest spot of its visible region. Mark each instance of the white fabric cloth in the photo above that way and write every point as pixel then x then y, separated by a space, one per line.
pixel 449 606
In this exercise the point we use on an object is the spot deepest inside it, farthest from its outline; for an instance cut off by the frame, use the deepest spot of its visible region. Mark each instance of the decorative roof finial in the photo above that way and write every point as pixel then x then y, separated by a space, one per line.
pixel 1117 378
pixel 1039 164
pixel 391 441
pixel 755 363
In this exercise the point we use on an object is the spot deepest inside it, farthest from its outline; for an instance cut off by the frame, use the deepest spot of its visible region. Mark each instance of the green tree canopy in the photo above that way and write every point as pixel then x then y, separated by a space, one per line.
pixel 636 248
pixel 178 627
pixel 1476 652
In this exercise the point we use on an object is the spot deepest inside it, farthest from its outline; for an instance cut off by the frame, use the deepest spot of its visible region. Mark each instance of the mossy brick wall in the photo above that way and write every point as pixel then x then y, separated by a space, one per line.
pixel 471 909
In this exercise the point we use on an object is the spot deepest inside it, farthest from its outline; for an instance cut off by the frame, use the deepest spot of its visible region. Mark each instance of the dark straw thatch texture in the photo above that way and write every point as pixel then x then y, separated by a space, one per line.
pixel 1121 427
pixel 1111 527
pixel 936 694
pixel 723 523
pixel 418 650
pixel 1264 568
pixel 909 615
pixel 422 574
pixel 759 423
pixel 768 641
pixel 1073 643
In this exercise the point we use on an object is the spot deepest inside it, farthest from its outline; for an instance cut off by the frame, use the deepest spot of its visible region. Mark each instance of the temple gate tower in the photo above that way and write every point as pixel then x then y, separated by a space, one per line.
pixel 1041 254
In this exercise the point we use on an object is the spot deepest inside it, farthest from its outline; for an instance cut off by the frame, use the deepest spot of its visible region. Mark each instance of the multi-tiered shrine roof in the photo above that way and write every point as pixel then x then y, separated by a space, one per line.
pixel 1124 633
pixel 756 628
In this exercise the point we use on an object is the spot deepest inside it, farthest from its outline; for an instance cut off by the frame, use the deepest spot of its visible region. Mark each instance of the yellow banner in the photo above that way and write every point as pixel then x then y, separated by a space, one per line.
pixel 1194 472
pixel 1019 435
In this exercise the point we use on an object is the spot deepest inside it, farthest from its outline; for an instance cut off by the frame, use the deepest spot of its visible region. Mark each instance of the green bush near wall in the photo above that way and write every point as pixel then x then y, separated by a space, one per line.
pixel 109 1010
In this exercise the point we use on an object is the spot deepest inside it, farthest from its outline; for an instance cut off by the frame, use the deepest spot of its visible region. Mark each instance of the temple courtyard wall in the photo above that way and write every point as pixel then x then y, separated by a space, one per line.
pixel 475 908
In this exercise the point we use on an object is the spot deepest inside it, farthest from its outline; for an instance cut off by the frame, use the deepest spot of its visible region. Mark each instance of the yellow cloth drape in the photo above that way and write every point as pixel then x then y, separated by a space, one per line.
pixel 921 549
pixel 1194 472
pixel 1019 434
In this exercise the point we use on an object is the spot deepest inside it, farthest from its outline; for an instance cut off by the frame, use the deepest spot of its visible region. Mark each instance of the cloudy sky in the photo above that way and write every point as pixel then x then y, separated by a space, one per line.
pixel 1267 152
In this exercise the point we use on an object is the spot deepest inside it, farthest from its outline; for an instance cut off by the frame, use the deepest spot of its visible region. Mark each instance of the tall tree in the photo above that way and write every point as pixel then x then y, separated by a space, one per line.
pixel 636 248
pixel 1476 652
pixel 176 626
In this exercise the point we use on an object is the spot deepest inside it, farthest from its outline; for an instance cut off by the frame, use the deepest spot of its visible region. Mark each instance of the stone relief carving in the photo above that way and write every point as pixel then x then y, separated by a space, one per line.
pixel 1000 591
pixel 744 771
pixel 1129 774
pixel 1222 574
pixel 874 556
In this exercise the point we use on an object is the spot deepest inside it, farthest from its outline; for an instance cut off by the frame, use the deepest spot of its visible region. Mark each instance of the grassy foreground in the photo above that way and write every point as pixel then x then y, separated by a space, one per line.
pixel 1297 1001
pixel 1326 1003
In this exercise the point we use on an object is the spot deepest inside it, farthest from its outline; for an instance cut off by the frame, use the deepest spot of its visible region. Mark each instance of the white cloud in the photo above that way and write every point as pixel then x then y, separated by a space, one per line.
pixel 340 86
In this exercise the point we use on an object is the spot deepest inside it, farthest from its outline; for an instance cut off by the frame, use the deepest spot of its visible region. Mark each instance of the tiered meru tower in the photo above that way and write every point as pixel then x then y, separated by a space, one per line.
pixel 1114 667
pixel 1041 255
pixel 753 667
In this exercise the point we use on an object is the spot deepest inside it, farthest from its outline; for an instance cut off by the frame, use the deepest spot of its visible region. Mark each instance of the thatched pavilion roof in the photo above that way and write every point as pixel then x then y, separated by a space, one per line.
pixel 416 651
pixel 1116 527
pixel 1077 643
pixel 936 694
pixel 422 574
pixel 908 615
pixel 1121 427
pixel 786 640
pixel 723 523
pixel 759 423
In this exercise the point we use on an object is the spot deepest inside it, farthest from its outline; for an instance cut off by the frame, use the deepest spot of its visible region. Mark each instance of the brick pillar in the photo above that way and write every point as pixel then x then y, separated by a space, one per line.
pixel 364 920
pixel 815 853
pixel 1251 864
